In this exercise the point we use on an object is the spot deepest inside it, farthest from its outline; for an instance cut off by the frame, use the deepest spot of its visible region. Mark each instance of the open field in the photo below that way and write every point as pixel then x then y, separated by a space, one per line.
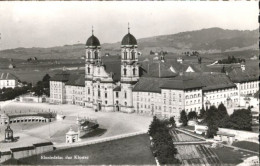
pixel 230 156
pixel 127 151
pixel 247 145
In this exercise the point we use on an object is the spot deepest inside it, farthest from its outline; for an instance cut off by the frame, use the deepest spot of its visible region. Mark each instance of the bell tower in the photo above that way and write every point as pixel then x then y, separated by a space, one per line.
pixel 129 58
pixel 93 58
pixel 129 71
pixel 92 55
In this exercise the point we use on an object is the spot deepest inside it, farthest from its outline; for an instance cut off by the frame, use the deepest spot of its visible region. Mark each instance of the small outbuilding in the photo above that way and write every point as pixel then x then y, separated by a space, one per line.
pixel 222 136
pixel 72 136
pixel 9 134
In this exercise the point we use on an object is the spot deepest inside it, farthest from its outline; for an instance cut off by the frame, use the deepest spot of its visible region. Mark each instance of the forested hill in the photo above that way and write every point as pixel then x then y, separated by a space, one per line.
pixel 204 40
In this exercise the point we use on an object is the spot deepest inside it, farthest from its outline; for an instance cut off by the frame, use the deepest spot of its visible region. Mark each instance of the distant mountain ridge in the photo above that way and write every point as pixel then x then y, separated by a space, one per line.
pixel 205 40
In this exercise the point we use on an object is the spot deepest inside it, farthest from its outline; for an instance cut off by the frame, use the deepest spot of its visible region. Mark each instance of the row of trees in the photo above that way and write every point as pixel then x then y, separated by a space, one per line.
pixel 162 144
pixel 42 87
pixel 10 93
pixel 231 60
pixel 218 117
pixel 184 118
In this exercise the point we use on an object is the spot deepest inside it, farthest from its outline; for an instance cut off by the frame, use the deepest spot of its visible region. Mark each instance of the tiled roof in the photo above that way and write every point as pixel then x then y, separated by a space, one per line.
pixel 113 64
pixel 213 81
pixel 118 88
pixel 8 76
pixel 182 83
pixel 148 84
pixel 62 76
pixel 43 144
pixel 249 74
pixel 76 80
pixel 22 149
pixel 156 69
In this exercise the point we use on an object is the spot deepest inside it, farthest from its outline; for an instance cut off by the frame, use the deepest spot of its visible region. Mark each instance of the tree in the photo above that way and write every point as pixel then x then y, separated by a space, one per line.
pixel 192 115
pixel 172 121
pixel 223 70
pixel 199 60
pixel 153 126
pixel 202 113
pixel 183 118
pixel 212 129
pixel 222 111
pixel 241 120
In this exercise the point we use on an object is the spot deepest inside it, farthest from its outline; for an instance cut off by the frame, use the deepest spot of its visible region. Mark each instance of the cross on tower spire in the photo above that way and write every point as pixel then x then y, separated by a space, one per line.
pixel 128 28
pixel 92 30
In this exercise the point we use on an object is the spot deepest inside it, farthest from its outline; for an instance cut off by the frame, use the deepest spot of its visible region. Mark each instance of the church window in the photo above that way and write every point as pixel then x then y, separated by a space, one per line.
pixel 88 91
pixel 105 95
pixel 125 55
pixel 134 71
pixel 98 93
pixel 125 95
pixel 117 94
pixel 89 53
pixel 88 69
pixel 125 103
pixel 124 71
pixel 105 102
pixel 133 55
pixel 96 55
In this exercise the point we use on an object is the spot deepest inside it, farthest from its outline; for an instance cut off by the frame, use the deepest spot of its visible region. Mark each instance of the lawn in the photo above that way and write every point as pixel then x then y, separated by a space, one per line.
pixel 229 156
pixel 247 145
pixel 127 151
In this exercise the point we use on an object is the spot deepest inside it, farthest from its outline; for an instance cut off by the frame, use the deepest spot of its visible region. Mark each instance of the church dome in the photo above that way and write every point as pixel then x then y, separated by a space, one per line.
pixel 93 41
pixel 129 39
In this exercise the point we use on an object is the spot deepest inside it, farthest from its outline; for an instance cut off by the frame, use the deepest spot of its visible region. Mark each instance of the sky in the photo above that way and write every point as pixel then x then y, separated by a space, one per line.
pixel 47 24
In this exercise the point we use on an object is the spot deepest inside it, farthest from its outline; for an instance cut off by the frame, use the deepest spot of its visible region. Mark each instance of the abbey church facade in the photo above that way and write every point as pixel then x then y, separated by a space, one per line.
pixel 154 87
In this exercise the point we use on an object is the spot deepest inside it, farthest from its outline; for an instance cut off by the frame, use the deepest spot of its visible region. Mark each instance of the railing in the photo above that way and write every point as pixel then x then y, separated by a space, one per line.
pixel 83 143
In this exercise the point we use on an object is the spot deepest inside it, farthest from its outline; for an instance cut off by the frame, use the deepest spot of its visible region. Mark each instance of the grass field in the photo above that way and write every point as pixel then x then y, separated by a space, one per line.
pixel 127 151
pixel 229 156
pixel 247 145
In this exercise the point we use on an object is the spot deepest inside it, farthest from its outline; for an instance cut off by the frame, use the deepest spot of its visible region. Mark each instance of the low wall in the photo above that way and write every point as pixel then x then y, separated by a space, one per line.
pixel 76 144
pixel 241 135
pixel 27 151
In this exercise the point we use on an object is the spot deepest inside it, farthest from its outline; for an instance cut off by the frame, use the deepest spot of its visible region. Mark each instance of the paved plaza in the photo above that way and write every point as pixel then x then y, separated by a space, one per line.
pixel 116 123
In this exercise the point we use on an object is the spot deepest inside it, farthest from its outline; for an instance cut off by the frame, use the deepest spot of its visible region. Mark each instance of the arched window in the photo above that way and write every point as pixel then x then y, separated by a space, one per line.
pixel 125 95
pixel 125 103
pixel 133 54
pixel 88 70
pixel 96 55
pixel 134 71
pixel 88 91
pixel 89 53
pixel 125 55
pixel 98 93
pixel 124 71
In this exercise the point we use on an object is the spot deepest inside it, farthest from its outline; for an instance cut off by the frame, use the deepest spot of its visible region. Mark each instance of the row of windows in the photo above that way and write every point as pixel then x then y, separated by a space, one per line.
pixel 195 102
pixel 192 96
pixel 132 57
pixel 95 55
pixel 193 109
pixel 125 71
pixel 99 94
pixel 223 95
